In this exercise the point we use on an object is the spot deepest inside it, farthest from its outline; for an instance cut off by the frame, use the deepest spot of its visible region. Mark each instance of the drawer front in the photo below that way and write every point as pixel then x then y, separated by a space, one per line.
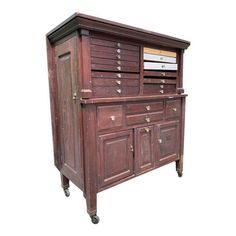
pixel 144 107
pixel 114 62
pixel 110 116
pixel 144 118
pixel 115 82
pixel 152 57
pixel 160 74
pixel 159 52
pixel 160 89
pixel 111 75
pixel 115 91
pixel 115 68
pixel 159 81
pixel 159 66
pixel 173 109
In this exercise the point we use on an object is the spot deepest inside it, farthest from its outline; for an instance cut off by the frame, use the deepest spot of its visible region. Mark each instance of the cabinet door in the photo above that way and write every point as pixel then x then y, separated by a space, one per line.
pixel 115 157
pixel 167 142
pixel 144 153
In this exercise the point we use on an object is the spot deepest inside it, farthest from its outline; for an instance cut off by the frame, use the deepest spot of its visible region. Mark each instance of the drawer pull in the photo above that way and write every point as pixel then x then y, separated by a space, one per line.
pixel 147 130
pixel 118 44
pixel 118 91
pixel 174 109
pixel 131 148
pixel 163 74
pixel 112 118
pixel 118 51
pixel 159 140
pixel 118 75
pixel 163 81
pixel 74 96
pixel 118 82
pixel 163 66
pixel 118 68
pixel 162 86
pixel 148 108
pixel 118 62
pixel 161 91
pixel 147 119
pixel 118 56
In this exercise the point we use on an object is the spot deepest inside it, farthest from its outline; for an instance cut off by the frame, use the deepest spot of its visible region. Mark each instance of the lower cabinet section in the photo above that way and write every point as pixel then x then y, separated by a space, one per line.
pixel 135 151
pixel 115 157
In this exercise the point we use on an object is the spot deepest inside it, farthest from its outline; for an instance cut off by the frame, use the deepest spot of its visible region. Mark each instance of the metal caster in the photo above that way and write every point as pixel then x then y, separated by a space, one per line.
pixel 95 219
pixel 67 192
pixel 180 174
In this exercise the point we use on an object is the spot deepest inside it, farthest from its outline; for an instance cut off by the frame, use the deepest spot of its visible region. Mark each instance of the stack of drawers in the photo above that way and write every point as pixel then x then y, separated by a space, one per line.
pixel 115 68
pixel 160 71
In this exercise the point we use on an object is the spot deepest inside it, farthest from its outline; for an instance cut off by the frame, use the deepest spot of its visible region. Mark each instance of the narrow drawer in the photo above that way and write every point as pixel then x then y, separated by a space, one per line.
pixel 160 74
pixel 159 81
pixel 115 68
pixel 112 75
pixel 115 82
pixel 110 116
pixel 115 91
pixel 113 44
pixel 134 108
pixel 159 89
pixel 152 57
pixel 95 60
pixel 159 52
pixel 159 66
pixel 144 118
pixel 173 109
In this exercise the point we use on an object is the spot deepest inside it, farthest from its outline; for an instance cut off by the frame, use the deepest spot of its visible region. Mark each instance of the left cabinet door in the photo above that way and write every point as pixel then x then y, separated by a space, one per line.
pixel 115 157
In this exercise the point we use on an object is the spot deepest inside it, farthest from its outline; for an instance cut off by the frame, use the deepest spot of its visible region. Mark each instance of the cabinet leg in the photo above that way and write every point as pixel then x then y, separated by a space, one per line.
pixel 179 167
pixel 65 184
pixel 91 200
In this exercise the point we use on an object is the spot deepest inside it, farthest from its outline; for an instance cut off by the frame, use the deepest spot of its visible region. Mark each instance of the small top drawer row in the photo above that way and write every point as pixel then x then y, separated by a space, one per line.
pixel 137 113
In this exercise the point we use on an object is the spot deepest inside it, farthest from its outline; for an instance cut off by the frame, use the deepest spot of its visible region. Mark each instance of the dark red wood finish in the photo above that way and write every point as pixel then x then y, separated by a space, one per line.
pixel 112 119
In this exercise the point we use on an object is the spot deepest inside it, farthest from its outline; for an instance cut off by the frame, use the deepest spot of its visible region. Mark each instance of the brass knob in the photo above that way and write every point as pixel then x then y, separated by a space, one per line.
pixel 159 140
pixel 118 44
pixel 161 86
pixel 163 81
pixel 147 119
pixel 118 68
pixel 147 130
pixel 118 62
pixel 118 91
pixel 118 75
pixel 118 82
pixel 174 109
pixel 161 91
pixel 163 74
pixel 112 118
pixel 118 56
pixel 118 50
pixel 148 108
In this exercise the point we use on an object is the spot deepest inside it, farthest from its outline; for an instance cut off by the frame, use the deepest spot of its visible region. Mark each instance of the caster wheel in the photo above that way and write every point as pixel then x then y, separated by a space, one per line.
pixel 95 219
pixel 67 192
pixel 180 174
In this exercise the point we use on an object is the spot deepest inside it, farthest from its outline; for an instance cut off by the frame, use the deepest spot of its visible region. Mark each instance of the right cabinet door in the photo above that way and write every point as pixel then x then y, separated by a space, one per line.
pixel 168 140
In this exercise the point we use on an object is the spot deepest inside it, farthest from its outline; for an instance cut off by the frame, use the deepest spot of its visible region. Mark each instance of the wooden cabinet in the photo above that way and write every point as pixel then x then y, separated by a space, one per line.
pixel 117 103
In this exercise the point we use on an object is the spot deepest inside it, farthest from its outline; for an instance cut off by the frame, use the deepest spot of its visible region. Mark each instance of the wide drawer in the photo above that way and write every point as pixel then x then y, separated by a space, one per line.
pixel 144 107
pixel 160 74
pixel 110 116
pixel 160 89
pixel 159 66
pixel 173 109
pixel 117 62
pixel 112 75
pixel 144 118
pixel 115 91
pixel 115 82
pixel 152 57
pixel 115 68
pixel 159 52
pixel 158 81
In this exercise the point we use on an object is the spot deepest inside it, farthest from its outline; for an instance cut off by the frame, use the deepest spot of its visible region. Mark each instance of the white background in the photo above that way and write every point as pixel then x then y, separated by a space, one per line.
pixel 158 203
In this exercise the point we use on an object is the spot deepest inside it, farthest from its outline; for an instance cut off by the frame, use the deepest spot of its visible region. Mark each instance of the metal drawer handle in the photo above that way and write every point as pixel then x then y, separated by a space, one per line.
pixel 147 119
pixel 161 58
pixel 74 96
pixel 118 68
pixel 174 109
pixel 163 81
pixel 131 148
pixel 147 130
pixel 162 66
pixel 118 75
pixel 118 91
pixel 163 74
pixel 112 118
pixel 118 56
pixel 118 82
pixel 159 140
pixel 118 51
pixel 162 91
pixel 148 108
pixel 118 44
pixel 118 62
pixel 161 86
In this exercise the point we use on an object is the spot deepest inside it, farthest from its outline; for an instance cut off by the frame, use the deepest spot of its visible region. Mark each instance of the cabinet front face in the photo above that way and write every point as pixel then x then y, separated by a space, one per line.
pixel 168 142
pixel 115 157
pixel 144 155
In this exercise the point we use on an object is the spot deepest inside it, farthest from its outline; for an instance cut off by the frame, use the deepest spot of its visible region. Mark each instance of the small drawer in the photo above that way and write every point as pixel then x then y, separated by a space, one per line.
pixel 152 57
pixel 159 89
pixel 159 66
pixel 144 118
pixel 117 62
pixel 144 107
pixel 171 74
pixel 159 52
pixel 115 82
pixel 173 109
pixel 110 116
pixel 112 75
pixel 115 68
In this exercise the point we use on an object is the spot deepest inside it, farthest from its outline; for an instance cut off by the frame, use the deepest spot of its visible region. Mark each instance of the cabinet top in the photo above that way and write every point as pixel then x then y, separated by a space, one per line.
pixel 81 21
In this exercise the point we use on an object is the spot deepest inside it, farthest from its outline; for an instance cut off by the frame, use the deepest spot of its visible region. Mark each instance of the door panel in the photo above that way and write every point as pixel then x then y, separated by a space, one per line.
pixel 115 157
pixel 144 152
pixel 167 142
